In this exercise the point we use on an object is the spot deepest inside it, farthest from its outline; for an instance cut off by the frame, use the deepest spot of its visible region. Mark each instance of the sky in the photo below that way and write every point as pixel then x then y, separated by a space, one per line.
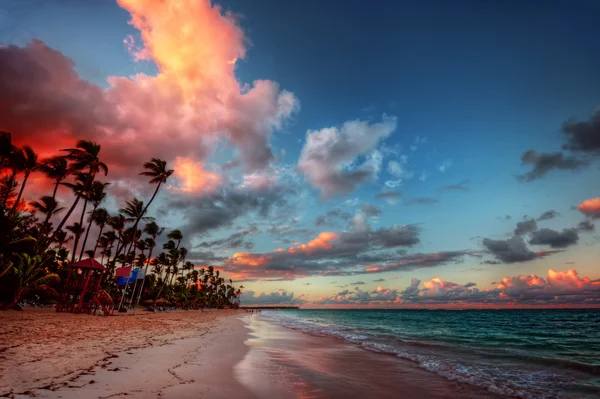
pixel 335 154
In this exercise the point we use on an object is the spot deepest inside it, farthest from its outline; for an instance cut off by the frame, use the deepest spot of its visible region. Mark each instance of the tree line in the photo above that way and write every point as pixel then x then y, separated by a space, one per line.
pixel 37 244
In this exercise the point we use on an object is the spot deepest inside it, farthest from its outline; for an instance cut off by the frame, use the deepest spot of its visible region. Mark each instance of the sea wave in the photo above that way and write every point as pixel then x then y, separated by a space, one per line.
pixel 466 365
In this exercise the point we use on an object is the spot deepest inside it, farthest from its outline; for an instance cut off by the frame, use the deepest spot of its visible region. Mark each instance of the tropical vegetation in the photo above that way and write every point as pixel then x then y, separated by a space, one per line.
pixel 40 237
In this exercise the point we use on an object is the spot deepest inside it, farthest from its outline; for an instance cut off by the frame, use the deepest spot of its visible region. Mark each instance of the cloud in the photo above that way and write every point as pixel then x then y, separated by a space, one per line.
pixel 509 251
pixel 358 250
pixel 358 283
pixel 461 186
pixel 590 208
pixel 542 163
pixel 583 136
pixel 329 156
pixel 211 211
pixel 526 226
pixel 551 214
pixel 558 288
pixel 445 165
pixel 194 102
pixel 391 197
pixel 586 225
pixel 332 218
pixel 422 201
pixel 378 296
pixel 370 210
pixel 379 280
pixel 554 238
pixel 419 260
pixel 250 298
pixel 235 240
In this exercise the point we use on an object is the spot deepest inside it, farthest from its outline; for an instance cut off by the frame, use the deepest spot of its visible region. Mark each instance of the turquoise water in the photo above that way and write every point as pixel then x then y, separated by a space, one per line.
pixel 521 353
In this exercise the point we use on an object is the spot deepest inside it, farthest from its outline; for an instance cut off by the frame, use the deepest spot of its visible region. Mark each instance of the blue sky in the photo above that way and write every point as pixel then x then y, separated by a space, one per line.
pixel 472 84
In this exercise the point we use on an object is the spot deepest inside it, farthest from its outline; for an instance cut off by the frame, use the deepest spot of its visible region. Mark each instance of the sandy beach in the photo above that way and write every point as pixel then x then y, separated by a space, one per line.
pixel 190 354
pixel 45 354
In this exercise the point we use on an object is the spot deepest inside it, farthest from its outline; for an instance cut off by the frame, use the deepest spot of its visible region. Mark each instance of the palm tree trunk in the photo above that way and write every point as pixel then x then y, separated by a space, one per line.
pixel 55 188
pixel 98 242
pixel 144 280
pixel 87 232
pixel 137 221
pixel 20 191
pixel 77 237
pixel 62 223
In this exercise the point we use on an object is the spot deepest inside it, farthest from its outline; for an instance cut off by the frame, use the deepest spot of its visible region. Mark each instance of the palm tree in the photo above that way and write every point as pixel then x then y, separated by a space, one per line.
pixel 77 229
pixel 30 275
pixel 118 225
pixel 153 231
pixel 135 212
pixel 29 163
pixel 157 170
pixel 101 217
pixel 62 239
pixel 182 254
pixel 48 206
pixel 96 194
pixel 83 156
pixel 9 159
pixel 57 169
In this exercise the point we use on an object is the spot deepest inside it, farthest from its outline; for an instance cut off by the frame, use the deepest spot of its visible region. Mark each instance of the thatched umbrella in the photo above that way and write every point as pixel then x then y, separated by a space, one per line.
pixel 162 301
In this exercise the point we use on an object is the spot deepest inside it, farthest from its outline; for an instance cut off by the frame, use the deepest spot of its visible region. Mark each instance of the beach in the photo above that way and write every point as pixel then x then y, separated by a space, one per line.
pixel 192 354
pixel 141 354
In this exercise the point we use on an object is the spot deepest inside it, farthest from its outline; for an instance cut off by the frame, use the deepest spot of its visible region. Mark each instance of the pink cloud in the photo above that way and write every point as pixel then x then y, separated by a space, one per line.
pixel 590 207
pixel 193 103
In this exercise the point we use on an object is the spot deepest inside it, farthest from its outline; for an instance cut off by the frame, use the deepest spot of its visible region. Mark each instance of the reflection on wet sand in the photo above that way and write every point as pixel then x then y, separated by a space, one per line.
pixel 284 363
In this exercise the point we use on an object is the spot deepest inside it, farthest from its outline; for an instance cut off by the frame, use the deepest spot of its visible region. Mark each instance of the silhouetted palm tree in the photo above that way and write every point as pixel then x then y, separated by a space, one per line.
pixel 28 163
pixel 57 169
pixel 100 217
pixel 83 156
pixel 96 195
pixel 77 230
pixel 48 206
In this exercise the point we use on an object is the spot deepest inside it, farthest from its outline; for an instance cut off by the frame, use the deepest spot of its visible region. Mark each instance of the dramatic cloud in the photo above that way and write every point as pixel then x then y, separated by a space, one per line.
pixel 558 288
pixel 542 163
pixel 391 197
pixel 554 239
pixel 526 226
pixel 223 207
pixel 358 250
pixel 551 214
pixel 509 251
pixel 192 104
pixel 590 208
pixel 583 136
pixel 329 157
pixel 250 298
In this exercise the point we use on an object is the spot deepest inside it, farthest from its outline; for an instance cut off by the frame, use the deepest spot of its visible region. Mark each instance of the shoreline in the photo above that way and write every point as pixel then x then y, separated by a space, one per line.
pixel 287 363
pixel 190 354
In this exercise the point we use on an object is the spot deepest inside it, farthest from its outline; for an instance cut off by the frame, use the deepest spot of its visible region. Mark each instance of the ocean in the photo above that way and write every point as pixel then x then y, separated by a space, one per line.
pixel 518 353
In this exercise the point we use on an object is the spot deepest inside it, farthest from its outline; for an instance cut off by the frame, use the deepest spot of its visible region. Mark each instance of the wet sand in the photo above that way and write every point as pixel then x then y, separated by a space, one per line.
pixel 283 363
pixel 196 355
